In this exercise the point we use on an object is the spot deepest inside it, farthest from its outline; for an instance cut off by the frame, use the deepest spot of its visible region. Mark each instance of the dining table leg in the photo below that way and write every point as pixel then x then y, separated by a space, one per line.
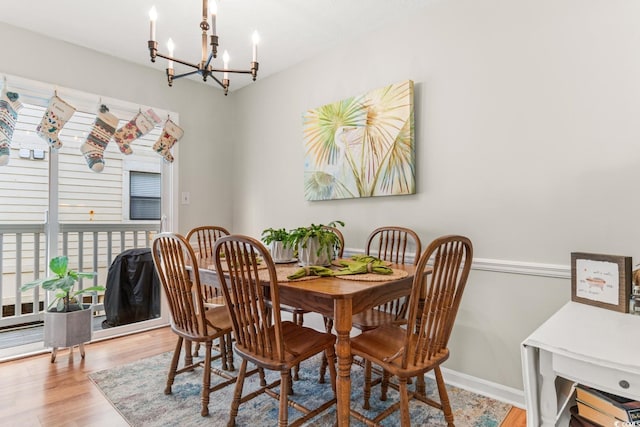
pixel 342 323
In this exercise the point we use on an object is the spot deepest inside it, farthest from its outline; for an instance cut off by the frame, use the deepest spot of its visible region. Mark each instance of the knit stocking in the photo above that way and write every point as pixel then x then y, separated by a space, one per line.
pixel 170 134
pixel 100 135
pixel 9 107
pixel 58 113
pixel 140 125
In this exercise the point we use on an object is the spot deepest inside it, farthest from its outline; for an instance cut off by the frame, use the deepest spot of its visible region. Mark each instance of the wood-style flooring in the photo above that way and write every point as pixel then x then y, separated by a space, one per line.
pixel 35 392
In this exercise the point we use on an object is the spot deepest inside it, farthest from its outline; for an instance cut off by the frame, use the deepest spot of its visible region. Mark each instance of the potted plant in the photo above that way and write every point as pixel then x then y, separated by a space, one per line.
pixel 316 244
pixel 279 242
pixel 67 320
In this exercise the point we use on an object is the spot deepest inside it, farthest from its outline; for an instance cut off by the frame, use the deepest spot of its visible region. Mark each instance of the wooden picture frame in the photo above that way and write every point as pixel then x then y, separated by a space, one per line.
pixel 601 280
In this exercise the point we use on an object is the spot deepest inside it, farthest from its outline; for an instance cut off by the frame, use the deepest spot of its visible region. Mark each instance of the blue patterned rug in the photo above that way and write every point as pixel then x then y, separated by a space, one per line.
pixel 136 390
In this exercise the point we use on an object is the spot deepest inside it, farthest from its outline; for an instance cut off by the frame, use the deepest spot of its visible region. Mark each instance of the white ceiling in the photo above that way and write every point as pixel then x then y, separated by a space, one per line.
pixel 290 30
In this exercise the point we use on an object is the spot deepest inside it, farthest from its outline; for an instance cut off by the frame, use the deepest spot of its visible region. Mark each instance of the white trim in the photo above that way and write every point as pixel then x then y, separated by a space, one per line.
pixel 556 271
pixel 520 267
pixel 486 388
pixel 38 93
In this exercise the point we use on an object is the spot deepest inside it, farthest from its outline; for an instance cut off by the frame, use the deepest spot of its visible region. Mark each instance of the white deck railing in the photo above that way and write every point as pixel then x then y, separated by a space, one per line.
pixel 89 246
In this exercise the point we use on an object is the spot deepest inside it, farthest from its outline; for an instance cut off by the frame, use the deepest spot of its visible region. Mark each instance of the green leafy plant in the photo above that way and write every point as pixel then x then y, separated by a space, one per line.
pixel 271 235
pixel 328 241
pixel 63 284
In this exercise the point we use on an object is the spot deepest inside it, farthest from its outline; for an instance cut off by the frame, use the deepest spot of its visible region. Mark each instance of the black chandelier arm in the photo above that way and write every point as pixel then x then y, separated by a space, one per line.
pixel 179 61
pixel 205 67
pixel 253 70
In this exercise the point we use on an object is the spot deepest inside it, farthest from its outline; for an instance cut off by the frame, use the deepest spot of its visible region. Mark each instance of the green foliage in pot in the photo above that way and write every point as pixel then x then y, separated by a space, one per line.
pixel 328 241
pixel 271 235
pixel 63 283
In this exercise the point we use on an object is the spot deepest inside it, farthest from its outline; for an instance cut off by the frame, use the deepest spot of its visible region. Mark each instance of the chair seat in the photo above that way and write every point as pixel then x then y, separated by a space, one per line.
pixel 300 344
pixel 218 317
pixel 387 341
pixel 373 318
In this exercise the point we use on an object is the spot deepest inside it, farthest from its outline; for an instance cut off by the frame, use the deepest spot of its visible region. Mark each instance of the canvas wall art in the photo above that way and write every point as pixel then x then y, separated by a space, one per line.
pixel 362 146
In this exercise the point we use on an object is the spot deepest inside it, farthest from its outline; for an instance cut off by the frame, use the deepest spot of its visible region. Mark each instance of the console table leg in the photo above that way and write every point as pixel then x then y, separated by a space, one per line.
pixel 548 395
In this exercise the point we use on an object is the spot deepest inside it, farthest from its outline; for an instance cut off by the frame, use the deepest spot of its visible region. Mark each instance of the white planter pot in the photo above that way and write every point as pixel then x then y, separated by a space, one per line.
pixel 309 256
pixel 67 329
pixel 279 253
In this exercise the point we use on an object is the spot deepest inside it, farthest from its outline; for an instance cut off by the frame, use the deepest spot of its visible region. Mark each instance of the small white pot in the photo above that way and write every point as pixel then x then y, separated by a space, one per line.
pixel 279 253
pixel 309 256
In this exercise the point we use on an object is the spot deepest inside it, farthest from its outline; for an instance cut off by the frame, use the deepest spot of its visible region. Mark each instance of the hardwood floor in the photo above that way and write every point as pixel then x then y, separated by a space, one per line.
pixel 35 392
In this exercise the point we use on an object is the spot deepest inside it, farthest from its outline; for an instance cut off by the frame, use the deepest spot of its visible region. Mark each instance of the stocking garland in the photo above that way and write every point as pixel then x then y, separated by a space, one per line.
pixel 140 125
pixel 57 115
pixel 103 129
pixel 171 133
pixel 9 107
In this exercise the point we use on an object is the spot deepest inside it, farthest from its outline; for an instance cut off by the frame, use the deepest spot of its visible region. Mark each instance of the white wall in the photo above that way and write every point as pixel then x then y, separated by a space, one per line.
pixel 204 112
pixel 528 142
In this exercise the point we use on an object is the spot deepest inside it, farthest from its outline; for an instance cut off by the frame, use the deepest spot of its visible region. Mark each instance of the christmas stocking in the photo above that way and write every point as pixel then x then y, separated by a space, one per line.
pixel 170 134
pixel 138 126
pixel 58 113
pixel 103 129
pixel 9 107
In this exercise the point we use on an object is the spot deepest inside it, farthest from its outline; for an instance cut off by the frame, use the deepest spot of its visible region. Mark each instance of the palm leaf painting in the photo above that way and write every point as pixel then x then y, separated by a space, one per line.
pixel 362 146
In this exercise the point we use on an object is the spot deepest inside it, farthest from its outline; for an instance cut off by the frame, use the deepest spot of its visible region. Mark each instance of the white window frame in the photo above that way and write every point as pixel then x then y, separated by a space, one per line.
pixel 38 93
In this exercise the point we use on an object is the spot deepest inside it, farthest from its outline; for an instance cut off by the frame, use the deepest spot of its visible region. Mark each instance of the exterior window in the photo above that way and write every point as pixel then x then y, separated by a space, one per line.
pixel 144 194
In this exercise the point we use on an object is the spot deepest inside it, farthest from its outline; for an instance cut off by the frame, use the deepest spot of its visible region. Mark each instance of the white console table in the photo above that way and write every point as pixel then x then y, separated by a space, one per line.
pixel 582 344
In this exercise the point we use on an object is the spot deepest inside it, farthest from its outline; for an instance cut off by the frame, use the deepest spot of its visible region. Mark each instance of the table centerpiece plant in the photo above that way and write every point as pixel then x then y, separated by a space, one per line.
pixel 280 244
pixel 316 244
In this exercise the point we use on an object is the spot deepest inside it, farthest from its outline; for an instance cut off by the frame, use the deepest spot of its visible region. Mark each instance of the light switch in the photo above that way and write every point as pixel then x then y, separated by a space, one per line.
pixel 186 198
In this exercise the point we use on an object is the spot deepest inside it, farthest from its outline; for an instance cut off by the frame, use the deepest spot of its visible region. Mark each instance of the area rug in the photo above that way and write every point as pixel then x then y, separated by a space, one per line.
pixel 136 390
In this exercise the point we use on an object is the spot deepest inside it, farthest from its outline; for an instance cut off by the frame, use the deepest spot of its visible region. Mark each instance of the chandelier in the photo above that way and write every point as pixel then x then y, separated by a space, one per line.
pixel 205 67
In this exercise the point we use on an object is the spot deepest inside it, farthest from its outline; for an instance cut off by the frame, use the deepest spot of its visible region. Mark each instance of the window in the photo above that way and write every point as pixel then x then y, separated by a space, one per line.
pixel 144 195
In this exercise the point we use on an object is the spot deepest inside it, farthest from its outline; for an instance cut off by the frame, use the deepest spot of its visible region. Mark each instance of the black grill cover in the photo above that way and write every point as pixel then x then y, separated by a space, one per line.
pixel 133 289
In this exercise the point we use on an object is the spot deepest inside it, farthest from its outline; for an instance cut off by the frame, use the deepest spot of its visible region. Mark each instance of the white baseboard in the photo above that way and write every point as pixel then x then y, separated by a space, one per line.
pixel 486 388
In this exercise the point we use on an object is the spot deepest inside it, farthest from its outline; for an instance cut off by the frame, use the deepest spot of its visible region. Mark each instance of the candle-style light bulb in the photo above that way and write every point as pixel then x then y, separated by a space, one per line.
pixel 256 39
pixel 153 16
pixel 170 46
pixel 225 61
pixel 213 10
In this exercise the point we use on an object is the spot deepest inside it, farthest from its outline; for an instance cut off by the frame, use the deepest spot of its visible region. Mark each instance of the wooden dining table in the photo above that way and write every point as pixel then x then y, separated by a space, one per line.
pixel 340 298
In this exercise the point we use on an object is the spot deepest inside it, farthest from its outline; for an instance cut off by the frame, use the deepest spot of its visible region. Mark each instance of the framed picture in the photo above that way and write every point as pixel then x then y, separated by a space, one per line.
pixel 601 280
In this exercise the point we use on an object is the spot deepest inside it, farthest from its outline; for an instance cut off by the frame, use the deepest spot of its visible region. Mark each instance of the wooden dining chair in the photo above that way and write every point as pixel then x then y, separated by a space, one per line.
pixel 392 244
pixel 262 338
pixel 174 261
pixel 389 243
pixel 202 240
pixel 421 346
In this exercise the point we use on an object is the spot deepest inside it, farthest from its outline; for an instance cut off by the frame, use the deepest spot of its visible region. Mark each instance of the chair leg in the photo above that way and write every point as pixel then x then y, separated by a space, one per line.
pixel 237 394
pixel 421 387
pixel 196 350
pixel 229 352
pixel 384 387
pixel 263 381
pixel 206 380
pixel 367 384
pixel 328 326
pixel 298 319
pixel 285 380
pixel 174 366
pixel 222 346
pixel 444 397
pixel 188 356
pixel 330 354
pixel 405 419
